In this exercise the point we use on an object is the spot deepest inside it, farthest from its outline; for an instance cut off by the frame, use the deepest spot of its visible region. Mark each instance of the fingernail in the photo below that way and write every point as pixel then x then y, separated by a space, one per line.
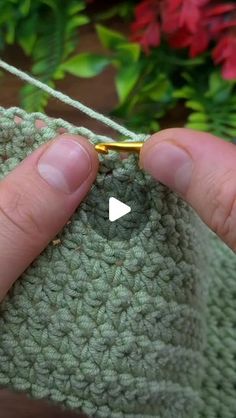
pixel 170 165
pixel 65 165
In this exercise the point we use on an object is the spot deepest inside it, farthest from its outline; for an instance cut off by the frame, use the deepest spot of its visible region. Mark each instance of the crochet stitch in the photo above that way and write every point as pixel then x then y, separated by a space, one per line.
pixel 121 321
pixel 88 320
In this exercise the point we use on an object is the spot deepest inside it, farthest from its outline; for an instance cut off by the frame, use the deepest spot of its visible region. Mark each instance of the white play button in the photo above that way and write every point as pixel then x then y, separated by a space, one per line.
pixel 117 209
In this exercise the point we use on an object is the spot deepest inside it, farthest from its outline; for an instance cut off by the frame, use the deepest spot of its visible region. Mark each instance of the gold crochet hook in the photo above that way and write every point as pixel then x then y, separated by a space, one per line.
pixel 105 147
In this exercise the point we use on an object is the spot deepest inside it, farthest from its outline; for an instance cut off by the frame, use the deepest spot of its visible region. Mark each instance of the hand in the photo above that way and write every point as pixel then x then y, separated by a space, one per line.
pixel 202 169
pixel 37 199
pixel 40 195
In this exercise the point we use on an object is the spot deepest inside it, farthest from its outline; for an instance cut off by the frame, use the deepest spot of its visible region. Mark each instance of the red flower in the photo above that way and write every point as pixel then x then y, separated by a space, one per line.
pixel 185 13
pixel 191 24
pixel 220 9
pixel 225 53
pixel 197 42
pixel 219 17
pixel 146 27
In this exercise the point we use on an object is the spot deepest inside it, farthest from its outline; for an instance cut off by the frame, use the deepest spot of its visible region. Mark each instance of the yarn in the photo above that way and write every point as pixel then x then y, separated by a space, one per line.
pixel 74 103
pixel 121 328
pixel 219 382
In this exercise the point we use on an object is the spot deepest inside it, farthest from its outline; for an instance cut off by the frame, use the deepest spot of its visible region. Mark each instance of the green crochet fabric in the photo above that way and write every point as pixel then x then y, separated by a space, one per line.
pixel 135 318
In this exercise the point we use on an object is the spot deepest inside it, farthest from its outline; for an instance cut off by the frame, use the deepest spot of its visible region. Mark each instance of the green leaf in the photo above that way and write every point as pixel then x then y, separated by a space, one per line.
pixel 39 67
pixel 59 74
pixel 51 3
pixel 78 21
pixel 85 65
pixel 109 38
pixel 25 7
pixel 124 10
pixel 27 33
pixel 162 88
pixel 126 79
pixel 27 43
pixel 198 117
pixel 215 83
pixel 183 93
pixel 154 126
pixel 231 132
pixel 10 33
pixel 76 7
pixel 201 126
pixel 128 52
pixel 33 99
pixel 192 104
pixel 231 119
pixel 219 89
pixel 75 22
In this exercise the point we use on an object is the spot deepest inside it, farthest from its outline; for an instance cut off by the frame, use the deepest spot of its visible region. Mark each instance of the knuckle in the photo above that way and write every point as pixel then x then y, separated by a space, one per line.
pixel 17 211
pixel 223 213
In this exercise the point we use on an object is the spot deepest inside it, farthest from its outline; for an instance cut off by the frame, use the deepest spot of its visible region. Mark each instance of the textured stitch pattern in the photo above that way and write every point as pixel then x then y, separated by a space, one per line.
pixel 113 327
pixel 219 383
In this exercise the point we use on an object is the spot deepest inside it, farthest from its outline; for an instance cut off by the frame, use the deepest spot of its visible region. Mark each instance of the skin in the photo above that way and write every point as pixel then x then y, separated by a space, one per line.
pixel 33 211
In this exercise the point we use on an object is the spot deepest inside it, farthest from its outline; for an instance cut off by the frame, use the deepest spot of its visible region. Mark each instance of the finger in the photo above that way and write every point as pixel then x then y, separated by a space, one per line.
pixel 202 169
pixel 37 199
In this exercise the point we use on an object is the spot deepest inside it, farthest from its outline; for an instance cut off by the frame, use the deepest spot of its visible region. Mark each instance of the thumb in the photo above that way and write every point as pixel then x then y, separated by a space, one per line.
pixel 37 199
pixel 202 169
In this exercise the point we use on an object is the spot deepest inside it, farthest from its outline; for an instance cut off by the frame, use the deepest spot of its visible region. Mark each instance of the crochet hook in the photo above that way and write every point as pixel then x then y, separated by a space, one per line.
pixel 105 147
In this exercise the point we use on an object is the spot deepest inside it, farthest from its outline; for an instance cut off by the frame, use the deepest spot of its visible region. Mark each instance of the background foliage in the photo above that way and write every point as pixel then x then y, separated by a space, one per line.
pixel 152 75
pixel 47 31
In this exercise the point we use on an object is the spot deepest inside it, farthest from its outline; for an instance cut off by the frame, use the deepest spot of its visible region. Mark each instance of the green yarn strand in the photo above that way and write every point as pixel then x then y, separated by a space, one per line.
pixel 71 102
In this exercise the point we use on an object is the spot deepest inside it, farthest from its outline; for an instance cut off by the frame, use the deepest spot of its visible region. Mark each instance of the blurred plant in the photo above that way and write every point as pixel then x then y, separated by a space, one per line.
pixel 212 102
pixel 191 24
pixel 46 30
pixel 166 60
pixel 149 85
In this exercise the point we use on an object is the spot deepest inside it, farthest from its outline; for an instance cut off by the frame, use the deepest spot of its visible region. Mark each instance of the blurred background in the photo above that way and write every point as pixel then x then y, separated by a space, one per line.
pixel 150 64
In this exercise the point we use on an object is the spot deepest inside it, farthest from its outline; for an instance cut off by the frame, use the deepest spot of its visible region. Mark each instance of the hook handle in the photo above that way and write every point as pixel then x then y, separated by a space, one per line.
pixel 104 148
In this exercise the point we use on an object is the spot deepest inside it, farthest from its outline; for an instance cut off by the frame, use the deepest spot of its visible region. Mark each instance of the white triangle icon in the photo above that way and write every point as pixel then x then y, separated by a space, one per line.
pixel 117 209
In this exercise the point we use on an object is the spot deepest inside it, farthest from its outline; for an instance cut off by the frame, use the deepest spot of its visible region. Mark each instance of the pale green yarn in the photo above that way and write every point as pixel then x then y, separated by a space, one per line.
pixel 219 383
pixel 115 328
pixel 137 328
pixel 74 103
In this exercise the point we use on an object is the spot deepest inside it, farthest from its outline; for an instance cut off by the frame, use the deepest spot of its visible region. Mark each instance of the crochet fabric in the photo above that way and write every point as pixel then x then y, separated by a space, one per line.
pixel 134 318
